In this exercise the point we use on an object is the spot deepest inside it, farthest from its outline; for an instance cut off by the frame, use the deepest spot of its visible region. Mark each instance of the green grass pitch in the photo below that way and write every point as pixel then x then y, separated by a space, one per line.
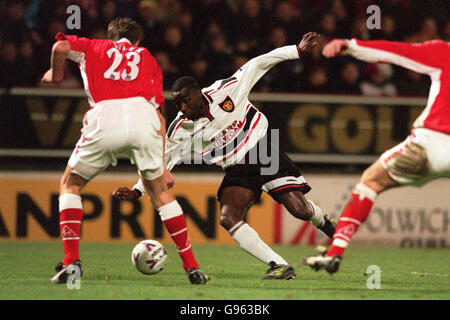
pixel 235 275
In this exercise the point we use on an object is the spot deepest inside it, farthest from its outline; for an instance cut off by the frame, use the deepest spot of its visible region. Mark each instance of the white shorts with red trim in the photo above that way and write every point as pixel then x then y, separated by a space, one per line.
pixel 423 156
pixel 129 126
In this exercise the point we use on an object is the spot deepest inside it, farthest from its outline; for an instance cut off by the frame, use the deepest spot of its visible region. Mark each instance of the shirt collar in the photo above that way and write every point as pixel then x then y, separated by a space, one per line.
pixel 124 40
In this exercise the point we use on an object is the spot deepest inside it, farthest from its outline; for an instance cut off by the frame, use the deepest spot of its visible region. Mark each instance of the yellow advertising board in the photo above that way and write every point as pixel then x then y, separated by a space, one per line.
pixel 29 209
pixel 403 217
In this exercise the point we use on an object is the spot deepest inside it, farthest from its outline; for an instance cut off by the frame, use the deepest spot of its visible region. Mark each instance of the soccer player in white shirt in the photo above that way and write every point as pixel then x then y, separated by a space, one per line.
pixel 221 123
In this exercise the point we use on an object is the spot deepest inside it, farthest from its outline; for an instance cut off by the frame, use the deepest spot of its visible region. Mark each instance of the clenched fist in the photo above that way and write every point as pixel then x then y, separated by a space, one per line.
pixel 334 48
pixel 124 193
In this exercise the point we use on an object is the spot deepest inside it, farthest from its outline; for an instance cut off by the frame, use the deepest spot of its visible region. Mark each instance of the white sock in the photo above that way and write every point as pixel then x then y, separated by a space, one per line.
pixel 250 241
pixel 317 219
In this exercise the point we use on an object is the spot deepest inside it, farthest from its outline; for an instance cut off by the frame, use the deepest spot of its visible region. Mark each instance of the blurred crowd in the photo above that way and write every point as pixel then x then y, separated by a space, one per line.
pixel 210 39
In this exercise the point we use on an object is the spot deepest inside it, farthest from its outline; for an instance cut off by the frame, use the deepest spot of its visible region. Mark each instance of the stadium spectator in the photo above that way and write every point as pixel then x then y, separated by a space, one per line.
pixel 359 29
pixel 179 51
pixel 199 68
pixel 169 70
pixel 219 57
pixel 343 21
pixel 428 31
pixel 9 63
pixel 287 76
pixel 107 12
pixel 98 32
pixel 377 83
pixel 238 60
pixel 287 18
pixel 206 11
pixel 12 25
pixel 251 23
pixel 388 29
pixel 327 26
pixel 446 31
pixel 153 29
pixel 412 84
pixel 349 79
pixel 316 81
pixel 27 68
pixel 185 22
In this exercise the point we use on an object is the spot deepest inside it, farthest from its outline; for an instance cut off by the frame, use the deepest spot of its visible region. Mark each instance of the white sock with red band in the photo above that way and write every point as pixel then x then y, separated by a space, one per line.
pixel 317 219
pixel 70 216
pixel 173 219
pixel 250 241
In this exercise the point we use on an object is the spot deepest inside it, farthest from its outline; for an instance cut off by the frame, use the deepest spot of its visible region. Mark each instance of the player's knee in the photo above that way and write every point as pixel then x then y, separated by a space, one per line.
pixel 376 178
pixel 297 206
pixel 71 183
pixel 229 216
pixel 64 184
pixel 302 210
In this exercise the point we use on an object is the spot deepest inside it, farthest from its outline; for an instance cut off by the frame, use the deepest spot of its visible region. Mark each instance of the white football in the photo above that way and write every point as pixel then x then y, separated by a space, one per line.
pixel 149 256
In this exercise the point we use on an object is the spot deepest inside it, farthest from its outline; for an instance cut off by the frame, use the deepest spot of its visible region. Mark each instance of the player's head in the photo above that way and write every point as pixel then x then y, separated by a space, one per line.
pixel 125 28
pixel 188 97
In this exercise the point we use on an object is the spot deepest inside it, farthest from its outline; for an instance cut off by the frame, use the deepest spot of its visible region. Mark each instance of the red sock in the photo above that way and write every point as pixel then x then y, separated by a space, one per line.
pixel 173 218
pixel 70 226
pixel 355 213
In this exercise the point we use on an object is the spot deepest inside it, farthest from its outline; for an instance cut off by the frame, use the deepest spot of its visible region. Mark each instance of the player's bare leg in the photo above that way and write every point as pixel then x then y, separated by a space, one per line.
pixel 234 203
pixel 173 219
pixel 71 215
pixel 306 210
pixel 374 180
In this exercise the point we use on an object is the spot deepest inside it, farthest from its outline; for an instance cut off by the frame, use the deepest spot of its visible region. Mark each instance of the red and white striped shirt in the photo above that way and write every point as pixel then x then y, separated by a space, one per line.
pixel 233 125
pixel 431 58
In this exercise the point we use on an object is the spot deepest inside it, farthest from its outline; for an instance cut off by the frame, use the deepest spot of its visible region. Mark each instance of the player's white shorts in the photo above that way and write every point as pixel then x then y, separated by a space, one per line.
pixel 422 157
pixel 127 126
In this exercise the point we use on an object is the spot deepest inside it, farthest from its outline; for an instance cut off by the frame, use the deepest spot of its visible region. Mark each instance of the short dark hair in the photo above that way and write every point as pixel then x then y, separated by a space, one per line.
pixel 185 82
pixel 125 28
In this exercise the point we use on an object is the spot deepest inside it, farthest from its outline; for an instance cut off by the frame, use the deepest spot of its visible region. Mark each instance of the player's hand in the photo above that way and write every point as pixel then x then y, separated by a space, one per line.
pixel 309 41
pixel 124 193
pixel 334 48
pixel 51 77
pixel 170 179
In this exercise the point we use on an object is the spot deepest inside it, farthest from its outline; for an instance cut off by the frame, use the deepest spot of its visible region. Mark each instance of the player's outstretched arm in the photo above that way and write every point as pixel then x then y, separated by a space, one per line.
pixel 424 57
pixel 60 50
pixel 255 68
pixel 125 193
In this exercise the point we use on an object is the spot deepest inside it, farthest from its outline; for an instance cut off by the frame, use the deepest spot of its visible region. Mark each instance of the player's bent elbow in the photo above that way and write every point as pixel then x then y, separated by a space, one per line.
pixel 62 47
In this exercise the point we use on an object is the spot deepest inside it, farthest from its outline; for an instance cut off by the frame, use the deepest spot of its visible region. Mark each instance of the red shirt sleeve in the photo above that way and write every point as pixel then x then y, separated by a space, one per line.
pixel 431 53
pixel 76 44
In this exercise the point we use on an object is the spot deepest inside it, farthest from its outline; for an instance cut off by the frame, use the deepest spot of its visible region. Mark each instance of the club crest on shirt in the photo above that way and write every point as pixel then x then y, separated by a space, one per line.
pixel 227 105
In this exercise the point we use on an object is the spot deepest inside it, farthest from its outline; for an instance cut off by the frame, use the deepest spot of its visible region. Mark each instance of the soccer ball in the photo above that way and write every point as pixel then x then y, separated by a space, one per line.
pixel 149 257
